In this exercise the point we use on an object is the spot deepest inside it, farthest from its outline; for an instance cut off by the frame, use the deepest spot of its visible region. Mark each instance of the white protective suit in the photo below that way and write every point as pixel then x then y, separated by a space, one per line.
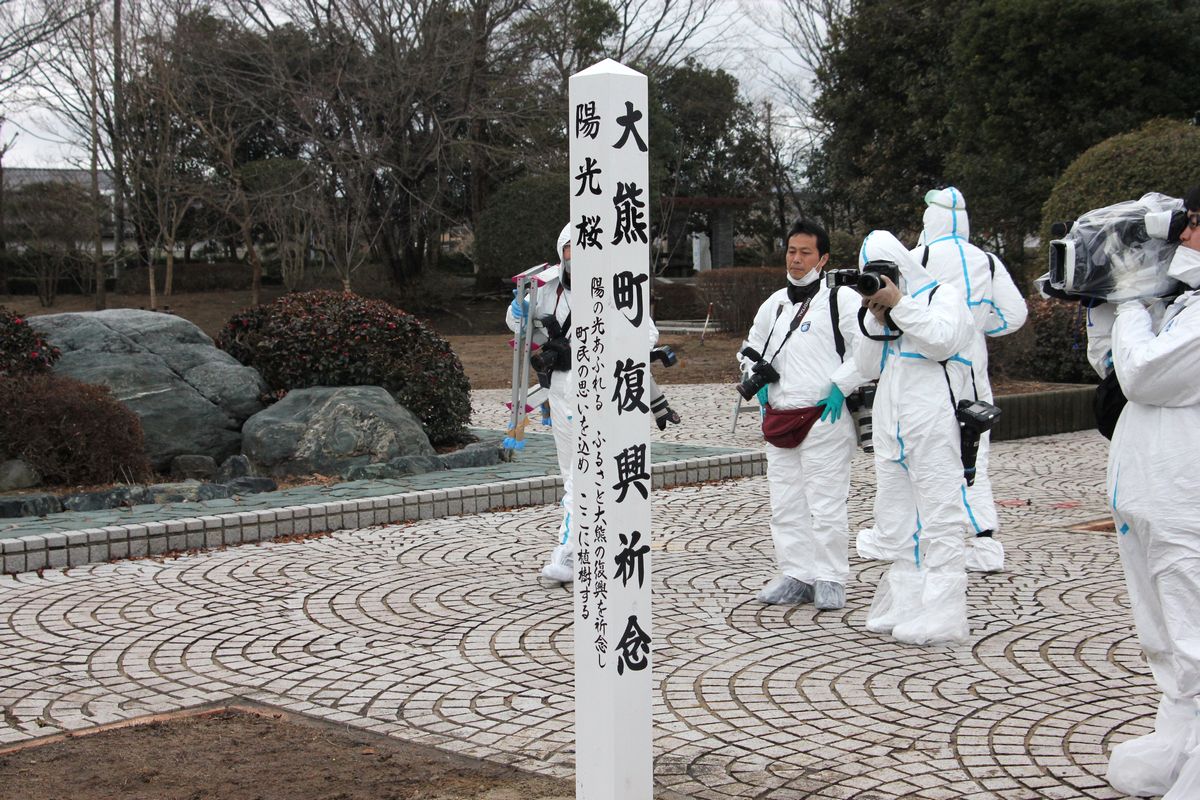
pixel 997 309
pixel 809 483
pixel 1153 466
pixel 554 299
pixel 922 599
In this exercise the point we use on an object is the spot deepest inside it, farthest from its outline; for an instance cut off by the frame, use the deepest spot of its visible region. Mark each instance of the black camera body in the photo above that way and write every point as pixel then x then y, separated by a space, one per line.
pixel 761 373
pixel 975 417
pixel 868 281
pixel 555 354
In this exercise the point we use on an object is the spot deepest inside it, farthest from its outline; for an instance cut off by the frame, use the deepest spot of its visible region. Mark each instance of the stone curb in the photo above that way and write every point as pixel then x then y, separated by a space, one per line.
pixel 63 549
pixel 1044 413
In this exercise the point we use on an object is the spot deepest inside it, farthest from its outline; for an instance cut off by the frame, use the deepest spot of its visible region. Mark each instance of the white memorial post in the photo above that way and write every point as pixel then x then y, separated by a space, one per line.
pixel 610 258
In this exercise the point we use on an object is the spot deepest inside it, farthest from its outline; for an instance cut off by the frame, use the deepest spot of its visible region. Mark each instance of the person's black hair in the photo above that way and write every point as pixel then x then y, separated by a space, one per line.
pixel 812 228
pixel 1191 199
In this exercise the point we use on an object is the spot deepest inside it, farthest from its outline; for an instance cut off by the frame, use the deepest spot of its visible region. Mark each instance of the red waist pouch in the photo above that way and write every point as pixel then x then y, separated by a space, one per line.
pixel 788 428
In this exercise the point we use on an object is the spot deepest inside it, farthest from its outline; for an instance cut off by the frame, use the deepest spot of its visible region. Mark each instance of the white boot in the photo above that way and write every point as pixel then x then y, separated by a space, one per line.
pixel 985 554
pixel 866 544
pixel 897 598
pixel 943 615
pixel 1151 764
pixel 561 567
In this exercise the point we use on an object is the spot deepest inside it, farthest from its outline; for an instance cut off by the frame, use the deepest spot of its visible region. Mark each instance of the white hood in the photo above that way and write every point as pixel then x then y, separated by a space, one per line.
pixel 883 246
pixel 564 239
pixel 946 215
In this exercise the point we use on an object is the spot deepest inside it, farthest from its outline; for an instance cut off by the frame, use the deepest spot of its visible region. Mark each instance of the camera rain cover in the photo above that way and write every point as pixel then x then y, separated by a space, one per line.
pixel 1108 255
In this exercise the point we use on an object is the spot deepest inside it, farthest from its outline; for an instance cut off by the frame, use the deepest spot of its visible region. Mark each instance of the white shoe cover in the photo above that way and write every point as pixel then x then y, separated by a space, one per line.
pixel 786 591
pixel 561 567
pixel 943 615
pixel 985 554
pixel 897 598
pixel 867 547
pixel 1150 765
pixel 1187 785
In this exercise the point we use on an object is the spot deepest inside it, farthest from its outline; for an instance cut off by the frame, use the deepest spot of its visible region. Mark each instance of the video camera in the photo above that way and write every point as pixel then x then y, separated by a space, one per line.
pixel 761 373
pixel 1116 253
pixel 868 281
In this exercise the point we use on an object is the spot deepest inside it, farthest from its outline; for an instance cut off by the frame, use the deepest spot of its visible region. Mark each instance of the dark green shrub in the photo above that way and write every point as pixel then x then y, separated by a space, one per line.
pixel 1051 347
pixel 519 228
pixel 737 292
pixel 1154 158
pixel 327 338
pixel 70 432
pixel 678 301
pixel 22 350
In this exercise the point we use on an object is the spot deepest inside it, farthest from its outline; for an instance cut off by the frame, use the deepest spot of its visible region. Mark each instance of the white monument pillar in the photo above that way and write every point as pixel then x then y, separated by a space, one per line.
pixel 610 258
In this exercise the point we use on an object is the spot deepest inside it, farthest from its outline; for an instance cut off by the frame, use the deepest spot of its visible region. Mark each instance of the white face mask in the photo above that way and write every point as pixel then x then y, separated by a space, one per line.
pixel 809 277
pixel 1185 266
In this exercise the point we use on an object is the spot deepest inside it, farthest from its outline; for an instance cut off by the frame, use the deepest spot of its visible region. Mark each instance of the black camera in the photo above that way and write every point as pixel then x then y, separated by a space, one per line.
pixel 975 417
pixel 555 354
pixel 868 281
pixel 761 373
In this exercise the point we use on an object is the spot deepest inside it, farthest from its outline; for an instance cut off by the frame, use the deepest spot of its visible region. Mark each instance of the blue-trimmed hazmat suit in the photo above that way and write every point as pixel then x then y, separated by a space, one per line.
pixel 922 597
pixel 1152 467
pixel 997 309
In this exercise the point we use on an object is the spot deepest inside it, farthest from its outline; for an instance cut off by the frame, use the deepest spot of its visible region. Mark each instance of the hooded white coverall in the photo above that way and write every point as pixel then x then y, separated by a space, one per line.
pixel 1153 464
pixel 922 598
pixel 997 309
pixel 809 483
pixel 554 299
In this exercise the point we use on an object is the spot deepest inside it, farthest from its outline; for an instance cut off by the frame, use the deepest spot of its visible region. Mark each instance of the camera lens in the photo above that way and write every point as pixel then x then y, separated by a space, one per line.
pixel 869 283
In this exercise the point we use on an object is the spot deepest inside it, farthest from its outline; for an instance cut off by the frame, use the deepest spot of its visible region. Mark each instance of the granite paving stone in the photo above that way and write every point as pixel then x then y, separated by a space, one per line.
pixel 438 631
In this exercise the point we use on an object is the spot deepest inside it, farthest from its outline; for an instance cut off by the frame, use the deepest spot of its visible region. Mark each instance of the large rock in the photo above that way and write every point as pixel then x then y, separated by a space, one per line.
pixel 191 397
pixel 330 429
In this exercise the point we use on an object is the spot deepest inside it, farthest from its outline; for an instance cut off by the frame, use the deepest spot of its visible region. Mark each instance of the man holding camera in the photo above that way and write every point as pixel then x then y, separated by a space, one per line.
pixel 795 352
pixel 552 362
pixel 1153 466
pixel 997 309
pixel 914 329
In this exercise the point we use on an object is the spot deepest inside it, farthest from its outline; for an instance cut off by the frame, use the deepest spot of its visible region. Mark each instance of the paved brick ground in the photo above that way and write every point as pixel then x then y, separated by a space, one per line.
pixel 437 632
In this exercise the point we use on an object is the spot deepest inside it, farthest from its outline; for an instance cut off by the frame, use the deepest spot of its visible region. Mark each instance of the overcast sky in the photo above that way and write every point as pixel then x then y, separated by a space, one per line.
pixel 745 42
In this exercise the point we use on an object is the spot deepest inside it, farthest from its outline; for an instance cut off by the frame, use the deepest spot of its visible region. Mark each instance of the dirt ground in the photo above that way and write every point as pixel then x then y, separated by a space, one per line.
pixel 256 754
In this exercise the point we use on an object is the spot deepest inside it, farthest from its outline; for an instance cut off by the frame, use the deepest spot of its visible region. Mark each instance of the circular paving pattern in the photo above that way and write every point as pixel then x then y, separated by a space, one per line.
pixel 439 632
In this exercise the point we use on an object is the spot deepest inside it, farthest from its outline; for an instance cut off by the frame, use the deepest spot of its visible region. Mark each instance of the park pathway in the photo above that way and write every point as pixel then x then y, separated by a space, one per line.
pixel 438 632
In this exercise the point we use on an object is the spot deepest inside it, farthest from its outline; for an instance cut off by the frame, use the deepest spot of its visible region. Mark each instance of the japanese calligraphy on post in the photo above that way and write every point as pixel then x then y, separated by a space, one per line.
pixel 610 262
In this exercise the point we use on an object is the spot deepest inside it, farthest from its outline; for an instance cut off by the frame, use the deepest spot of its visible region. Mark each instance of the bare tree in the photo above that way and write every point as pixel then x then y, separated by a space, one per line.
pixel 25 28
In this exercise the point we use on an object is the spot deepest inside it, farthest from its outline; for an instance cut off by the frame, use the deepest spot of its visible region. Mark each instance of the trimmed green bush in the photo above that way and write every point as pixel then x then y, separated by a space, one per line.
pixel 519 228
pixel 22 350
pixel 71 432
pixel 1051 347
pixel 1154 158
pixel 325 338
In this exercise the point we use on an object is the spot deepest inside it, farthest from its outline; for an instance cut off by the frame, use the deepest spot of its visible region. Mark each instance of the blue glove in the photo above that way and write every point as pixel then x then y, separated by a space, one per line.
pixel 832 404
pixel 520 308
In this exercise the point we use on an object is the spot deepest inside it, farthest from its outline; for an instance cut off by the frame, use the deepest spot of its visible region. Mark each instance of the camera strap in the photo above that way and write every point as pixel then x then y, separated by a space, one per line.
pixel 883 337
pixel 791 328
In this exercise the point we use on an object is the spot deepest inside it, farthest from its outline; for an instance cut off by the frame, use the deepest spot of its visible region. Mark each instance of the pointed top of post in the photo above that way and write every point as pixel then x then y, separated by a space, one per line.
pixel 606 67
